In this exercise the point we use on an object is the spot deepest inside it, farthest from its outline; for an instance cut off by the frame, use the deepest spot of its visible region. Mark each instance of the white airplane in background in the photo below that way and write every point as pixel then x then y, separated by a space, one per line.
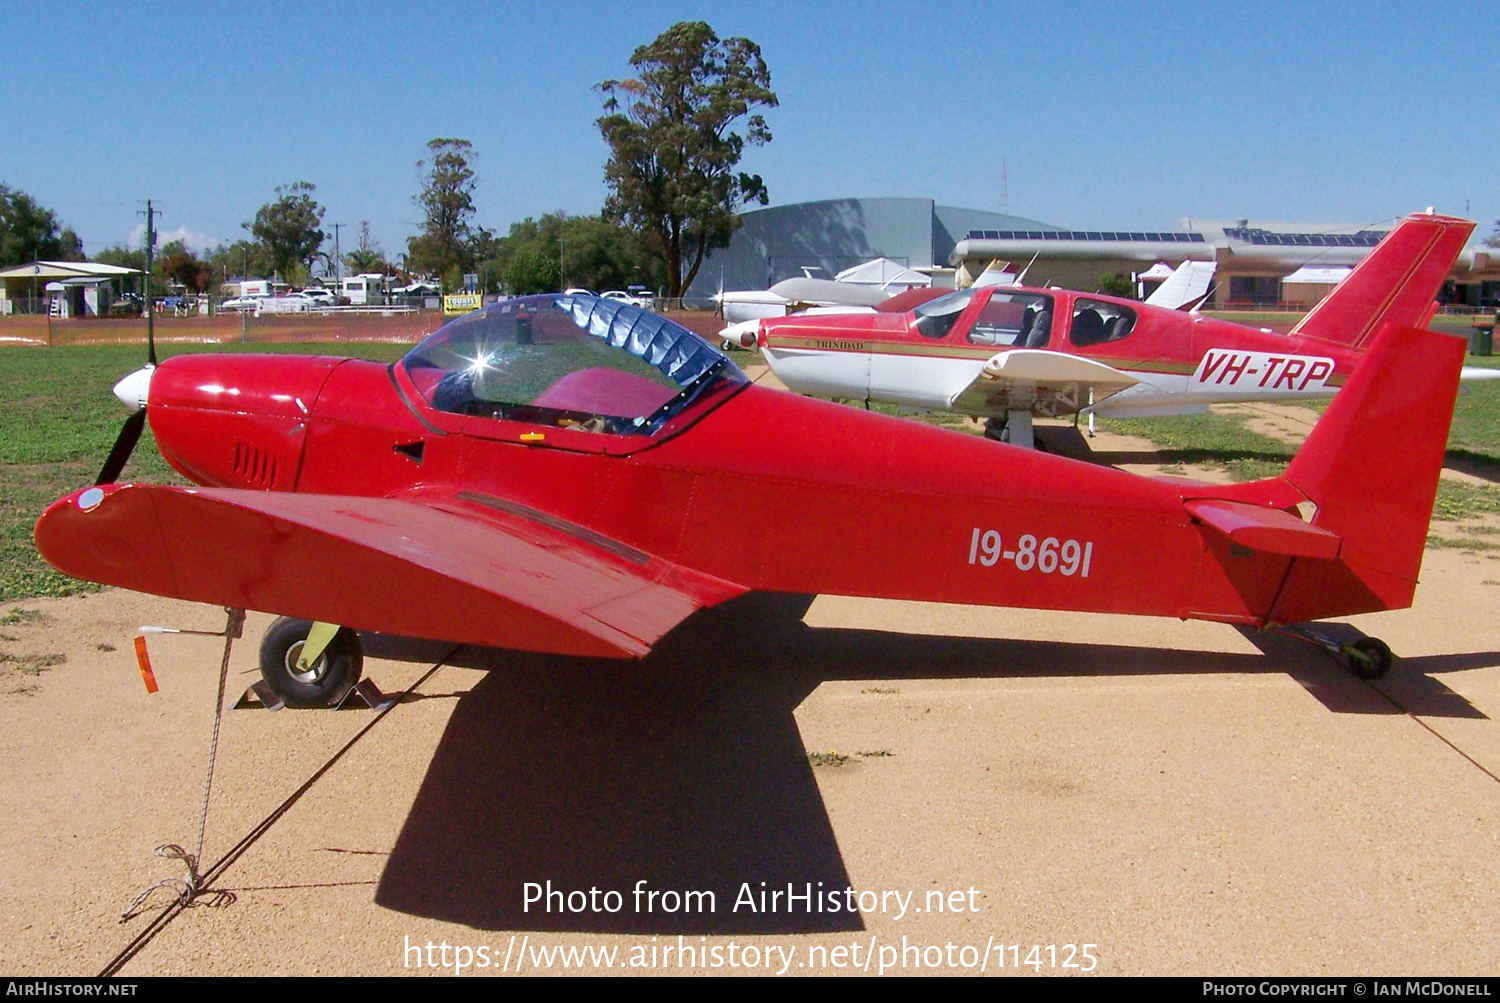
pixel 854 290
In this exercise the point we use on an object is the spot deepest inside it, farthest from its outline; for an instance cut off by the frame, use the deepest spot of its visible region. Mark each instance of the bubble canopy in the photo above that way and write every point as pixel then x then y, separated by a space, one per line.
pixel 575 361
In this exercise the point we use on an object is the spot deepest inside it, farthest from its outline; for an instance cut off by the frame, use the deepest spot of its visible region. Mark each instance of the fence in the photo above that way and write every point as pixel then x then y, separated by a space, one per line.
pixel 397 326
pixel 400 328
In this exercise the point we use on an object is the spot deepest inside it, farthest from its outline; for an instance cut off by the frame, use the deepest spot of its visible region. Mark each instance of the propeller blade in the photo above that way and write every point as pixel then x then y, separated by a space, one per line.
pixel 130 434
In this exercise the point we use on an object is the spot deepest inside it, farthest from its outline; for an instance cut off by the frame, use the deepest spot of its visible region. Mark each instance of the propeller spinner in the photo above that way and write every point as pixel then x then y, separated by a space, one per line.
pixel 132 391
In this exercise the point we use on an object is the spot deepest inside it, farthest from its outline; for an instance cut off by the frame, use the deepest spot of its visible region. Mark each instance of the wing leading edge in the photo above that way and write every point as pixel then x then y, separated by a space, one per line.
pixel 468 567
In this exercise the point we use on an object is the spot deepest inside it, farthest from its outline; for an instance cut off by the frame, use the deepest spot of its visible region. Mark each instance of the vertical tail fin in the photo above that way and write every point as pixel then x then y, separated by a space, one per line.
pixel 1394 284
pixel 1371 466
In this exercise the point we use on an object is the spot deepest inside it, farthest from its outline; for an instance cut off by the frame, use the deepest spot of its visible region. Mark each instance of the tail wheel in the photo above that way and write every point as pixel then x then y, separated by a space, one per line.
pixel 1368 658
pixel 322 684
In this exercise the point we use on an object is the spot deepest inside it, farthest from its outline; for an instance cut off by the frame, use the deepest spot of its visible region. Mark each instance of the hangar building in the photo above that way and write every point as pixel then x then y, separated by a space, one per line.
pixel 835 234
pixel 1259 262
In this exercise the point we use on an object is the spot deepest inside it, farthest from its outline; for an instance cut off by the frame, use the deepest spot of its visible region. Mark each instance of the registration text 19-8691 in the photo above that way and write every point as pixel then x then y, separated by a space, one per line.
pixel 1066 557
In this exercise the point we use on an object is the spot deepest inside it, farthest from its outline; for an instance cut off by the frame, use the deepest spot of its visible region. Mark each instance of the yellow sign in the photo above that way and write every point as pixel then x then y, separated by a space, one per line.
pixel 456 303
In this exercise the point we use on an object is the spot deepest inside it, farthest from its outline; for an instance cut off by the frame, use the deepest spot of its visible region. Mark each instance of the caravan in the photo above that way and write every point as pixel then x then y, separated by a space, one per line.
pixel 367 289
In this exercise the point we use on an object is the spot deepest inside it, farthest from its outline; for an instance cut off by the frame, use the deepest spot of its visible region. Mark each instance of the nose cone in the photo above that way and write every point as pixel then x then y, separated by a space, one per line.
pixel 135 388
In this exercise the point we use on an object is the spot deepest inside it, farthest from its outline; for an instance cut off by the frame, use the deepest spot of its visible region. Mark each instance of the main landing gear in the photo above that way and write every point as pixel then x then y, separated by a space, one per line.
pixel 310 664
pixel 1367 658
pixel 1014 427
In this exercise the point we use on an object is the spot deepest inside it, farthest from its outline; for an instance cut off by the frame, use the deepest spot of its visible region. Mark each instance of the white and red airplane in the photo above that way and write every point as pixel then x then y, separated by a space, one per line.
pixel 1010 352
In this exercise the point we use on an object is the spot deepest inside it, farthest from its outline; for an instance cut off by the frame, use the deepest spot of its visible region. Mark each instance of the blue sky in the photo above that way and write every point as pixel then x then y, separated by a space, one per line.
pixel 1106 115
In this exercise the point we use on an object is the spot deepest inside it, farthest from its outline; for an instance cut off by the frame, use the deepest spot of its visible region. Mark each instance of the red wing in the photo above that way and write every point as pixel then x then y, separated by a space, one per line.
pixel 469 567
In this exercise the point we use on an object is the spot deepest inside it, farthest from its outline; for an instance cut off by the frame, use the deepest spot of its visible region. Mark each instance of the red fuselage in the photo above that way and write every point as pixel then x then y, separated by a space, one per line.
pixel 825 498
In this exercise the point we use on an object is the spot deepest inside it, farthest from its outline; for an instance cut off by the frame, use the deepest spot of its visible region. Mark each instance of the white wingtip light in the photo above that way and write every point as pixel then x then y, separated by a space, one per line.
pixel 135 388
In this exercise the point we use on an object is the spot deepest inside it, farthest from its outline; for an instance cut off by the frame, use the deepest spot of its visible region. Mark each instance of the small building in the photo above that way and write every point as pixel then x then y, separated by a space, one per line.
pixel 1310 283
pixel 83 287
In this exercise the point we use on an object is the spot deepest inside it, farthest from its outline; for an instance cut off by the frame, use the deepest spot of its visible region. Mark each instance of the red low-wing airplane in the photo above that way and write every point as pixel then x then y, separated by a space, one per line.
pixel 550 474
pixel 1007 353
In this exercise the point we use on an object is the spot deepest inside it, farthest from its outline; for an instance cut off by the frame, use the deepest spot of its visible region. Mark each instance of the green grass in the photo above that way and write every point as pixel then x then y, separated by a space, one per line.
pixel 1218 440
pixel 58 419
pixel 1223 441
pixel 831 758
pixel 1458 501
pixel 942 419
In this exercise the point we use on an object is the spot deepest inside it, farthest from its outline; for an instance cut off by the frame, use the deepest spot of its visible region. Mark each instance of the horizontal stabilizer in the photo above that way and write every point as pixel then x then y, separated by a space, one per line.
pixel 1266 529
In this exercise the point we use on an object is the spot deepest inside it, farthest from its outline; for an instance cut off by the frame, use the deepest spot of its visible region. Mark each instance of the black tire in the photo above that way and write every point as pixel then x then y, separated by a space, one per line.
pixel 1369 658
pixel 326 683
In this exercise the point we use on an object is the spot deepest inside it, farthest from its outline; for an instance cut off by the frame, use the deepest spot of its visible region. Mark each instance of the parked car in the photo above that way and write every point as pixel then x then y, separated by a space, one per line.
pixel 242 303
pixel 619 295
pixel 318 298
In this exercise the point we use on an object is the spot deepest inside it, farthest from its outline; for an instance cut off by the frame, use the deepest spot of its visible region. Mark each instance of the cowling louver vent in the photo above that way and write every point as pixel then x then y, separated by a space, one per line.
pixel 256 466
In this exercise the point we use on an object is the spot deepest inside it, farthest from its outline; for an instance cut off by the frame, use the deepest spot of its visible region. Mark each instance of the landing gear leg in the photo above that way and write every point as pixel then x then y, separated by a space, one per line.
pixel 1018 423
pixel 1367 658
pixel 1013 427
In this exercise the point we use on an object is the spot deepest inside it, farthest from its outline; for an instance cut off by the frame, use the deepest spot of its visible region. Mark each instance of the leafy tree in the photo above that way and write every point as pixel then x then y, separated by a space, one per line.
pixel 1117 284
pixel 246 258
pixel 530 271
pixel 289 227
pixel 447 244
pixel 1494 238
pixel 30 233
pixel 592 252
pixel 181 265
pixel 673 152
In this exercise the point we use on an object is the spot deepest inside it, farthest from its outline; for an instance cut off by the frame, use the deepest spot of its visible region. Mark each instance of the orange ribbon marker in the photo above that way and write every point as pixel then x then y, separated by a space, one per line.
pixel 145 663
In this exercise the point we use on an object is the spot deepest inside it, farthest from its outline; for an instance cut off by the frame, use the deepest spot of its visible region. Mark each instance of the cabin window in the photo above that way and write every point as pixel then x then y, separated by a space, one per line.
pixel 572 361
pixel 1013 320
pixel 936 318
pixel 1095 322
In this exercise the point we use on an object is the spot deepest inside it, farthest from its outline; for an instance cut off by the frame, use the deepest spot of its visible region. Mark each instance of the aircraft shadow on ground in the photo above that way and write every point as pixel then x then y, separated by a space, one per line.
pixel 686 770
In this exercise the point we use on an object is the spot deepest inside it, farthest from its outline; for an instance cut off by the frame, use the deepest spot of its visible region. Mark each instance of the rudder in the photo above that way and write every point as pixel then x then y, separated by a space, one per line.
pixel 1371 466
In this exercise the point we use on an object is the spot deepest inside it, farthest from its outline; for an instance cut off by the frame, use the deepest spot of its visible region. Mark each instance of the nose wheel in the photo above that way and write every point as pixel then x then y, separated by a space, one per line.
pixel 322 683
